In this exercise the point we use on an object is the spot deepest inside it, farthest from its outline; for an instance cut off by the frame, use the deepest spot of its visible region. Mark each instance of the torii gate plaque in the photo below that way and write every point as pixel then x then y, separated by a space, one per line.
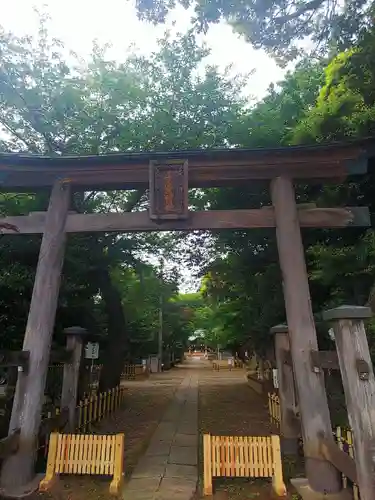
pixel 169 190
pixel 166 176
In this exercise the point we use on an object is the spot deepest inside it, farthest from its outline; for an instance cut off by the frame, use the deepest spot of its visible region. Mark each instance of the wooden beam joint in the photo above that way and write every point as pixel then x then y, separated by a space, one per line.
pixel 341 460
pixel 324 360
pixel 287 357
pixel 61 356
pixel 56 423
pixel 15 358
pixel 363 369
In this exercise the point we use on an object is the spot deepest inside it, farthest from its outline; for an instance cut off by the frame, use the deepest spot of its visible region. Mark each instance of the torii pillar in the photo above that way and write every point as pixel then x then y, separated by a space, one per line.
pixel 18 469
pixel 322 478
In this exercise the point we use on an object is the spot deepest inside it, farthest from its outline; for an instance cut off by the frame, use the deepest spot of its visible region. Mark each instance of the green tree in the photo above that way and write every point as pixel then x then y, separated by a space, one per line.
pixel 51 106
pixel 275 25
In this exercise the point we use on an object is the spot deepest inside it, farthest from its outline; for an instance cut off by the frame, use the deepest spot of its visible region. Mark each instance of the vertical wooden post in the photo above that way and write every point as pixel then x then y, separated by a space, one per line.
pixel 289 424
pixel 359 387
pixel 69 392
pixel 313 404
pixel 18 469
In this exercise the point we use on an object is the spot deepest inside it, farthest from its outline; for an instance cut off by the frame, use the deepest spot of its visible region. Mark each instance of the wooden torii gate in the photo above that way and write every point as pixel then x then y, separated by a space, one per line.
pixel 168 177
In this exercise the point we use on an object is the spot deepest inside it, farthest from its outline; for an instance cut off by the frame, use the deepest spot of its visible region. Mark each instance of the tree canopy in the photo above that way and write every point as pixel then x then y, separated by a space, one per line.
pixel 114 284
pixel 275 25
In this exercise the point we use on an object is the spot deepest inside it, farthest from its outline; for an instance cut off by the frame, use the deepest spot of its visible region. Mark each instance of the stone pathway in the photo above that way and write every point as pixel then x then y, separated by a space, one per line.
pixel 169 468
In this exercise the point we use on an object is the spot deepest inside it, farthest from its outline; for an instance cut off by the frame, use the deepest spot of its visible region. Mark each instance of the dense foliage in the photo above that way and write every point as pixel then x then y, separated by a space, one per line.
pixel 114 285
pixel 278 26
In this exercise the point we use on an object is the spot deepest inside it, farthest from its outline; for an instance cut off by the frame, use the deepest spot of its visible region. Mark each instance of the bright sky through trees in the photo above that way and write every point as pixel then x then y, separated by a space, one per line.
pixel 78 23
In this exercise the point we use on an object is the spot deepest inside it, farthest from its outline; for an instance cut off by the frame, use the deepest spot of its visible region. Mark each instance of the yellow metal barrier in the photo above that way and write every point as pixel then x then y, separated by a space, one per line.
pixel 85 454
pixel 238 456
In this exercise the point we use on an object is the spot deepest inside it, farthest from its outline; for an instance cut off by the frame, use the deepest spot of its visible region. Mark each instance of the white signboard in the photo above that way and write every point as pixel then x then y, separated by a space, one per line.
pixel 275 378
pixel 92 350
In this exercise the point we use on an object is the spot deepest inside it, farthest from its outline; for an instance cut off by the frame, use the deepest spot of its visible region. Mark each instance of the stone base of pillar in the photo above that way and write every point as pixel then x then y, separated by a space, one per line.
pixel 303 488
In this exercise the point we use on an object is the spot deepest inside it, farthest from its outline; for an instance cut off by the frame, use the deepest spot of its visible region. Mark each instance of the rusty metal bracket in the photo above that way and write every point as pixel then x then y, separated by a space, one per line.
pixel 363 369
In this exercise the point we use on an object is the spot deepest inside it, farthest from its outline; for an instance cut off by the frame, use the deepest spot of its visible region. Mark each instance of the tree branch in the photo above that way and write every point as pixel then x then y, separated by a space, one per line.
pixel 29 146
pixel 312 5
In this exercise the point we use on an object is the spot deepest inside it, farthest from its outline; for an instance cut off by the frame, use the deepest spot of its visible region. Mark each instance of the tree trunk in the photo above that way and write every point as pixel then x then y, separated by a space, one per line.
pixel 118 337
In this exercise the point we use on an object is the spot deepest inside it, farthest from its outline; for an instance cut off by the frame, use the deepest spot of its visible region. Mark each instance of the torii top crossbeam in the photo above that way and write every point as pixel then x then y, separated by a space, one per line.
pixel 215 167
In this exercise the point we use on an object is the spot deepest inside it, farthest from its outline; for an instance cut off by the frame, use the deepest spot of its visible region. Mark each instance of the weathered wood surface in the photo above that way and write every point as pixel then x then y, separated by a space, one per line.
pixel 18 469
pixel 61 356
pixel 85 454
pixel 206 167
pixel 9 444
pixel 214 219
pixel 289 424
pixel 15 358
pixel 169 190
pixel 56 423
pixel 242 456
pixel 70 379
pixel 341 460
pixel 352 345
pixel 327 360
pixel 312 398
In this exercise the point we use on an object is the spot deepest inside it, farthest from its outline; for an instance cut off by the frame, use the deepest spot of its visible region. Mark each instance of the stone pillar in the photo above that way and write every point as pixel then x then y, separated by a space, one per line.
pixel 359 387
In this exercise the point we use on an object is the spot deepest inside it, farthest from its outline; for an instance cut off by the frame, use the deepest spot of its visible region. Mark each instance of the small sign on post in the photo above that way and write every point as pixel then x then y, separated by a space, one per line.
pixel 275 378
pixel 92 350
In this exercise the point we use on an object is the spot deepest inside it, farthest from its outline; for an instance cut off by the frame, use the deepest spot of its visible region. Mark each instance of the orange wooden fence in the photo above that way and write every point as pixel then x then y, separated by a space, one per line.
pixel 242 456
pixel 85 454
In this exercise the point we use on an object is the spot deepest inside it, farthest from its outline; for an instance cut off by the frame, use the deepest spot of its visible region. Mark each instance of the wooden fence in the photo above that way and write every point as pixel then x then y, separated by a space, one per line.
pixel 90 410
pixel 131 372
pixel 85 454
pixel 224 364
pixel 242 456
pixel 274 408
pixel 343 438
pixel 98 406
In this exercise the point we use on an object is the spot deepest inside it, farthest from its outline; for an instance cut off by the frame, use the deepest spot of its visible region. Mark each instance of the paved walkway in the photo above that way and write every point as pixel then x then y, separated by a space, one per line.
pixel 169 468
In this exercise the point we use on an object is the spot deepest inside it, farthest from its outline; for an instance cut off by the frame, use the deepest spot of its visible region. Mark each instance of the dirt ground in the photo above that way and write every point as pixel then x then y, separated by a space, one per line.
pixel 227 405
pixel 146 402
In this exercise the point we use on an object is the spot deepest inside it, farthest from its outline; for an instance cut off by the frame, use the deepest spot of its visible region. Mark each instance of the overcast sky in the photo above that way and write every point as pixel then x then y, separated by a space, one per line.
pixel 78 22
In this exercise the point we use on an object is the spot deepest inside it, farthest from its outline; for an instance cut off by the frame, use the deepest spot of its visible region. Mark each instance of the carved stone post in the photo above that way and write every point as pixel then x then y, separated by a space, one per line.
pixel 74 340
pixel 359 387
pixel 289 426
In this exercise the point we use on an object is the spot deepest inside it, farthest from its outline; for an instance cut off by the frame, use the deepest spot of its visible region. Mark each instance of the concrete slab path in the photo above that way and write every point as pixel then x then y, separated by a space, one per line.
pixel 169 468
